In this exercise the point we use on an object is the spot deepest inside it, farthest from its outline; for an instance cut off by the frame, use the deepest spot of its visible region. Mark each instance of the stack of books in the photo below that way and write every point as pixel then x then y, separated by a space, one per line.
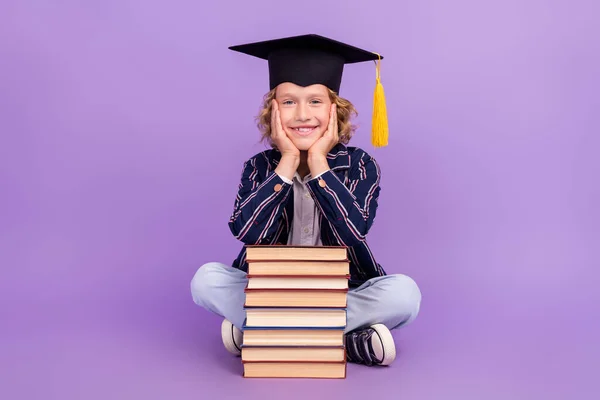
pixel 296 301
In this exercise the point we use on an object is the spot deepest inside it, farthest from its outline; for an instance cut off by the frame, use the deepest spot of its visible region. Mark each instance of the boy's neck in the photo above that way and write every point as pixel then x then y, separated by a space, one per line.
pixel 303 168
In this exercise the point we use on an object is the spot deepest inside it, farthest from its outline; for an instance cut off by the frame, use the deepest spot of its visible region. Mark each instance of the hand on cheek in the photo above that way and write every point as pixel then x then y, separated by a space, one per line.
pixel 279 135
pixel 329 139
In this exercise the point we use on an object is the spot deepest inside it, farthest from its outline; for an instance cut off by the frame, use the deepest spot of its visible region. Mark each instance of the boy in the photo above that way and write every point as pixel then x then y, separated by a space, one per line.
pixel 311 189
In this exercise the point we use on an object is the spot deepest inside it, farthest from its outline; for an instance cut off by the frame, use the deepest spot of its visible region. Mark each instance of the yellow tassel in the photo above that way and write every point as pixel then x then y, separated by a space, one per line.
pixel 379 130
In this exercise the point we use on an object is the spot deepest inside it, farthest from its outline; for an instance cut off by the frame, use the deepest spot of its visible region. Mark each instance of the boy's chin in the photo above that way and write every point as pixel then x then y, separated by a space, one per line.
pixel 304 145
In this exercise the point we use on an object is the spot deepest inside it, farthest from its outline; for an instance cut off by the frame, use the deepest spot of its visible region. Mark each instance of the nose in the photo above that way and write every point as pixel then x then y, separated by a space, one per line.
pixel 302 113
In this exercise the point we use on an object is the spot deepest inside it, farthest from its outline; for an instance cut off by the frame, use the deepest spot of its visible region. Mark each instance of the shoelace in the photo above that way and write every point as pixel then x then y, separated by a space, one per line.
pixel 359 349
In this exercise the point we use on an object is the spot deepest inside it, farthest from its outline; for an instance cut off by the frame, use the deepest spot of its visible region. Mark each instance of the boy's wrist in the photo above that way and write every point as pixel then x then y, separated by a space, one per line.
pixel 290 158
pixel 317 163
pixel 287 166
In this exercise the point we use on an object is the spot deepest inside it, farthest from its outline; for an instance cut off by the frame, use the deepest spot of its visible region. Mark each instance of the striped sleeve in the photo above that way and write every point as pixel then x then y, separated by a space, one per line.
pixel 351 208
pixel 259 203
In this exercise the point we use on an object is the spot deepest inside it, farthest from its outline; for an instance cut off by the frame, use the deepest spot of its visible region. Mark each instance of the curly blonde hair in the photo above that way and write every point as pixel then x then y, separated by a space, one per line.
pixel 345 111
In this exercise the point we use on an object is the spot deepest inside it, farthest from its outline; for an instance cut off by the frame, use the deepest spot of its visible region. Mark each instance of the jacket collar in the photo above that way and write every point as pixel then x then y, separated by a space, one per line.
pixel 337 158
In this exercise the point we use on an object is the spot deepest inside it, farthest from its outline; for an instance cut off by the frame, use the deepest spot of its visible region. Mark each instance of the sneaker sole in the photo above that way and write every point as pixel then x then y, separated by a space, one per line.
pixel 389 347
pixel 227 336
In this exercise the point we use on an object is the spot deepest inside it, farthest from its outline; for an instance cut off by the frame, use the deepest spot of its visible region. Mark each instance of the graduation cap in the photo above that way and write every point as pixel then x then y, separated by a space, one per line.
pixel 312 59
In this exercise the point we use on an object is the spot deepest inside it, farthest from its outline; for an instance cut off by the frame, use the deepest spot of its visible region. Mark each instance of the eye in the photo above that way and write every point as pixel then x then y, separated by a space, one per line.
pixel 287 102
pixel 316 102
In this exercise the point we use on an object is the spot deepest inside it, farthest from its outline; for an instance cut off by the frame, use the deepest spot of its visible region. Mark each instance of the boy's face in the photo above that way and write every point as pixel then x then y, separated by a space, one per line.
pixel 304 112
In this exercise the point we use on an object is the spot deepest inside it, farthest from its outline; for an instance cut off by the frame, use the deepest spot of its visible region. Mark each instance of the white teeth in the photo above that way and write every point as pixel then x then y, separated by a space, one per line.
pixel 304 129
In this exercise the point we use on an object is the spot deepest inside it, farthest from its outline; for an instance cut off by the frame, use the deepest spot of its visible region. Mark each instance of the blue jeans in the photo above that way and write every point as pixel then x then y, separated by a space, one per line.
pixel 392 300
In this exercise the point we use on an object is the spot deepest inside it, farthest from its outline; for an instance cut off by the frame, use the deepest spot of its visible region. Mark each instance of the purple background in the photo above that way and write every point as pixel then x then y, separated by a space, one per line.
pixel 124 126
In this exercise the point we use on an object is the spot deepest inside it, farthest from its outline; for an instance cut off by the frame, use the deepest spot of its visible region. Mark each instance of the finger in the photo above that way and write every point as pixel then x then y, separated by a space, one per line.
pixel 273 120
pixel 335 118
pixel 331 122
pixel 279 125
pixel 334 122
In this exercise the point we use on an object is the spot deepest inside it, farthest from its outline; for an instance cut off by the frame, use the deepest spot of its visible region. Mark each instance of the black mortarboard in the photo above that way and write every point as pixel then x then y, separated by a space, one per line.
pixel 312 59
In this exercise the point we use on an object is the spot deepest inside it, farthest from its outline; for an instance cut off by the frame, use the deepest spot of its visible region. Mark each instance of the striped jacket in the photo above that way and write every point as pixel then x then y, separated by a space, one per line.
pixel 346 197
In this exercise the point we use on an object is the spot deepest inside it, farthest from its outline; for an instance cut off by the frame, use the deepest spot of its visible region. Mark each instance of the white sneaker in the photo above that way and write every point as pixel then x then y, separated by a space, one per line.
pixel 232 337
pixel 371 346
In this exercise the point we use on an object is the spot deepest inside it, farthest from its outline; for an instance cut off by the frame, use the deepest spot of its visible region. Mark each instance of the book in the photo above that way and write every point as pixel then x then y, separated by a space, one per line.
pixel 283 252
pixel 269 369
pixel 298 268
pixel 296 298
pixel 293 354
pixel 295 317
pixel 297 282
pixel 273 336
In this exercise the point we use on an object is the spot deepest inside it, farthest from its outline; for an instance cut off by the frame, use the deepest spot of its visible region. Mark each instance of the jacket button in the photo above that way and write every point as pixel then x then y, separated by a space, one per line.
pixel 277 187
pixel 322 183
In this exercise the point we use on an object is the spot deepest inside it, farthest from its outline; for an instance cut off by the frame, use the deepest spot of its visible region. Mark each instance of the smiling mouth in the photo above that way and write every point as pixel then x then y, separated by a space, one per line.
pixel 305 131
